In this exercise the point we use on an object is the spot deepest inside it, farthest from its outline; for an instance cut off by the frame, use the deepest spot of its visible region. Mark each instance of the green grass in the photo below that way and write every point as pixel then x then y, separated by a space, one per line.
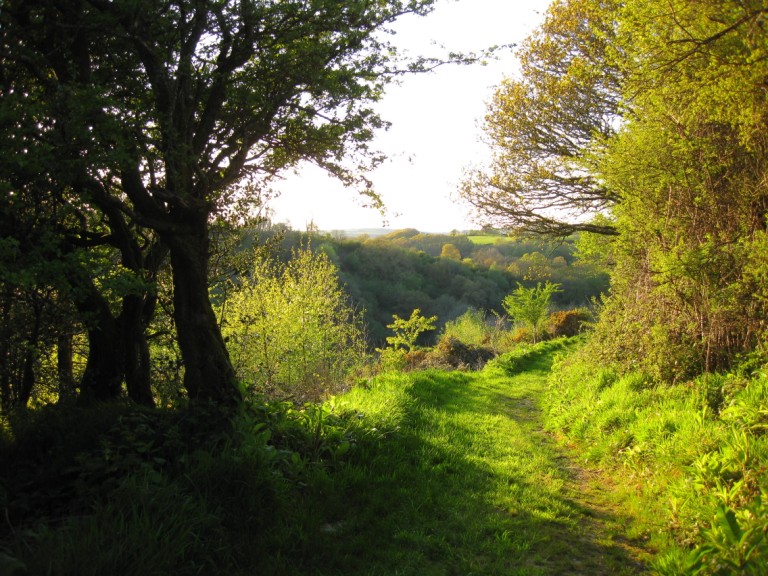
pixel 691 459
pixel 491 239
pixel 469 484
pixel 430 473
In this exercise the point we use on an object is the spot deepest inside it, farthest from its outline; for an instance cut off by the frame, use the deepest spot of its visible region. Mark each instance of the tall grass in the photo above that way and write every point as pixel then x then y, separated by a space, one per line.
pixel 694 454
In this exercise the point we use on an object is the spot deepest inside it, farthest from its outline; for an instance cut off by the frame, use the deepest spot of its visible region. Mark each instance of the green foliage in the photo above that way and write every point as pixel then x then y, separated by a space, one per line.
pixel 405 473
pixel 695 454
pixel 400 271
pixel 527 356
pixel 126 490
pixel 266 86
pixel 654 143
pixel 470 340
pixel 145 527
pixel 530 306
pixel 450 251
pixel 544 125
pixel 402 352
pixel 290 328
pixel 473 328
pixel 689 167
pixel 407 331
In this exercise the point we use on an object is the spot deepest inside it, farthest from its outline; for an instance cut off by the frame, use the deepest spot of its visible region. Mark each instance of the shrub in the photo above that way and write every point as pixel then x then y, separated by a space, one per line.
pixel 567 322
pixel 457 354
pixel 402 352
pixel 290 329
pixel 475 328
pixel 407 332
pixel 520 335
pixel 529 306
pixel 471 328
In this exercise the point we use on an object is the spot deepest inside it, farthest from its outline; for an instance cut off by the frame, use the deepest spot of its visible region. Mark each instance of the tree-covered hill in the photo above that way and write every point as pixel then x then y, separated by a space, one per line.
pixel 406 269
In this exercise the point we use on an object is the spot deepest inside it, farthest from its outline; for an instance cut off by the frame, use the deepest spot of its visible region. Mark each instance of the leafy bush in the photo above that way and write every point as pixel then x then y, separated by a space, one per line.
pixel 290 329
pixel 471 328
pixel 408 331
pixel 530 306
pixel 402 352
pixel 475 328
pixel 567 322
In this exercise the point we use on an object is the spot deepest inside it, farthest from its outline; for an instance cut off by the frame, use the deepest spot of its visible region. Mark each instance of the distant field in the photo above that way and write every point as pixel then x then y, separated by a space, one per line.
pixel 488 239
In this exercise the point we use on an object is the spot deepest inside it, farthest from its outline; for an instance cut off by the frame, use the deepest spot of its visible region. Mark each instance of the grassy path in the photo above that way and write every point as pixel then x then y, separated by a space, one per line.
pixel 468 484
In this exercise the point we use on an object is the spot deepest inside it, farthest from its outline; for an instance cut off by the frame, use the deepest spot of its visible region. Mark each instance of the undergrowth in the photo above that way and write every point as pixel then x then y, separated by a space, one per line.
pixel 693 454
pixel 429 473
pixel 123 490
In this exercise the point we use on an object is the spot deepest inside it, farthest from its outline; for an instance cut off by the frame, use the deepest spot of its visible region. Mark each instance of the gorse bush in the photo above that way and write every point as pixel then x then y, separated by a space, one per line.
pixel 290 328
pixel 567 322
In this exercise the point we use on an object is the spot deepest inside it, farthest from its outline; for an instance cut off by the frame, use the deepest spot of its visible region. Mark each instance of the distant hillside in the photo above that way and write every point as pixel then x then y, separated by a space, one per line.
pixel 445 274
pixel 355 233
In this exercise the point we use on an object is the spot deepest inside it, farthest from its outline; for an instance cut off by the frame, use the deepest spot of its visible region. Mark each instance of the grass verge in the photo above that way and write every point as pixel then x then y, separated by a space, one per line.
pixel 690 459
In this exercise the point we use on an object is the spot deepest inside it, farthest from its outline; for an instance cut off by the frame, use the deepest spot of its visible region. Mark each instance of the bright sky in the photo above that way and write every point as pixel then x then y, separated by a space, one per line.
pixel 435 128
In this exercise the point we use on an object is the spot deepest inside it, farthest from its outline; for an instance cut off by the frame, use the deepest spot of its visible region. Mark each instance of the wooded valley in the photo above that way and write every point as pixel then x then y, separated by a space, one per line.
pixel 580 387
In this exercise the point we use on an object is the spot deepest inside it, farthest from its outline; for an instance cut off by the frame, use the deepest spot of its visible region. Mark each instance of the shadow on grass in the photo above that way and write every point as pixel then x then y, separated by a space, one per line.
pixel 471 485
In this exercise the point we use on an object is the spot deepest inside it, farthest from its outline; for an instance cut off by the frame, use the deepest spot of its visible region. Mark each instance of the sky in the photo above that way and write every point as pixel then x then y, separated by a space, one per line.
pixel 435 126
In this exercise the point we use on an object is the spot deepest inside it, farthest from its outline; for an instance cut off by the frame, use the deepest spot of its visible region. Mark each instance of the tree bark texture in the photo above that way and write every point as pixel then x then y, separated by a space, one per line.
pixel 208 372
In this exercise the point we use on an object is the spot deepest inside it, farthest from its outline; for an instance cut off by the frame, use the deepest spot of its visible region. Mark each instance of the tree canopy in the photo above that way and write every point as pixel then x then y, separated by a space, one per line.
pixel 129 125
pixel 651 116
pixel 543 126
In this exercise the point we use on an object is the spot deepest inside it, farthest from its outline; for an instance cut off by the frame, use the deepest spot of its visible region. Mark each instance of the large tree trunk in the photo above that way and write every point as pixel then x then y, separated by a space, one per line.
pixel 103 376
pixel 64 368
pixel 133 320
pixel 208 372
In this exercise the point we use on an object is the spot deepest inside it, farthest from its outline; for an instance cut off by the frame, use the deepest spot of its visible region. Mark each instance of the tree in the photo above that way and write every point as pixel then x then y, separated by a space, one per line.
pixel 290 327
pixel 530 305
pixel 163 107
pixel 680 164
pixel 689 165
pixel 544 127
pixel 450 251
pixel 407 331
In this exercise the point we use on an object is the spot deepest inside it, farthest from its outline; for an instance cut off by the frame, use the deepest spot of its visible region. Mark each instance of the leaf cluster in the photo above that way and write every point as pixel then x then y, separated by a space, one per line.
pixel 530 306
